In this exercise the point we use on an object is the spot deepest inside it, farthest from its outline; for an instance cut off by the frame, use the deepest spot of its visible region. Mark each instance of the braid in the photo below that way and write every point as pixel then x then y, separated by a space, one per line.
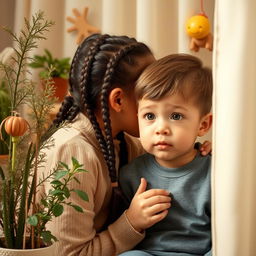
pixel 100 63
pixel 71 72
pixel 67 111
pixel 84 80
pixel 105 108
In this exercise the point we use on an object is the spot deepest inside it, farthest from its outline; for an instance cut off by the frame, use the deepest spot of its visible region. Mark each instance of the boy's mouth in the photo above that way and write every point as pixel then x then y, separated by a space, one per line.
pixel 162 145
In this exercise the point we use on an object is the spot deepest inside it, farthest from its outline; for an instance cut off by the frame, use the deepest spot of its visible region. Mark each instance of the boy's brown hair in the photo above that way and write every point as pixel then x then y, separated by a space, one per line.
pixel 177 73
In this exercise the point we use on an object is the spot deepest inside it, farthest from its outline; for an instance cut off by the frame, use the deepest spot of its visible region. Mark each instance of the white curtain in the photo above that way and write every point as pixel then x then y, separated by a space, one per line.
pixel 234 138
pixel 159 23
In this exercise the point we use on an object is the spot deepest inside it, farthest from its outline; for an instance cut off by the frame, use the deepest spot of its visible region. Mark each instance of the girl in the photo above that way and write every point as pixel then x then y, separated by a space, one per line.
pixel 100 109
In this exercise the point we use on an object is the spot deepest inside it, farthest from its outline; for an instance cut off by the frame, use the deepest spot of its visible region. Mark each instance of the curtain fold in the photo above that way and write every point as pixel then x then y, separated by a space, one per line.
pixel 118 17
pixel 157 25
pixel 234 137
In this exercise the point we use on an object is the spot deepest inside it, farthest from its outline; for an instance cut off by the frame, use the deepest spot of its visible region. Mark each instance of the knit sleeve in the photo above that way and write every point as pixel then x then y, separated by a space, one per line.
pixel 81 233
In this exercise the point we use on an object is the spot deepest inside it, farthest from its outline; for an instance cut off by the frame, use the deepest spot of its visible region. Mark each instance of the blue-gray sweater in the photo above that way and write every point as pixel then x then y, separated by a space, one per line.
pixel 187 228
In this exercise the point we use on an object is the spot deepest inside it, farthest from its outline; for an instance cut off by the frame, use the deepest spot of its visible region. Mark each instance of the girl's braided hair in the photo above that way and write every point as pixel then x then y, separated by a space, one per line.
pixel 100 63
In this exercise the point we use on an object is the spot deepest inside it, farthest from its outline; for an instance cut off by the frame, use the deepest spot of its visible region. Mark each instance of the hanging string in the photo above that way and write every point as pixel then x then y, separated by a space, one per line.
pixel 202 8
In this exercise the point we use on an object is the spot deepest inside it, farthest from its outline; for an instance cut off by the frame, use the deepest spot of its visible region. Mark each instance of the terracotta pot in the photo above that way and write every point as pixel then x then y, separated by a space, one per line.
pixel 46 251
pixel 61 87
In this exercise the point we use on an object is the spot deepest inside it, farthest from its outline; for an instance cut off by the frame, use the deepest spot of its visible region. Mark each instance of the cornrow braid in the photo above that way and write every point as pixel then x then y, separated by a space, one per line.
pixel 71 72
pixel 113 62
pixel 67 111
pixel 84 80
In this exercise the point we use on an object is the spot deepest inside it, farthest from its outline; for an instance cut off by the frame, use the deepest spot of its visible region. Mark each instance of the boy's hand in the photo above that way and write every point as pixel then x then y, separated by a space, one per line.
pixel 148 207
pixel 206 148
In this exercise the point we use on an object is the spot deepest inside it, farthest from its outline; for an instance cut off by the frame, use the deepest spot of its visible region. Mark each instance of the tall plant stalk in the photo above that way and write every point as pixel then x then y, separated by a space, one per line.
pixel 17 81
pixel 24 212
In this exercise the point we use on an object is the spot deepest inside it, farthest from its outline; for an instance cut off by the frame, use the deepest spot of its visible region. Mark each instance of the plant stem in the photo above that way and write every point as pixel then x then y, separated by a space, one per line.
pixel 22 58
pixel 14 146
pixel 6 218
pixel 22 214
pixel 34 192
pixel 11 214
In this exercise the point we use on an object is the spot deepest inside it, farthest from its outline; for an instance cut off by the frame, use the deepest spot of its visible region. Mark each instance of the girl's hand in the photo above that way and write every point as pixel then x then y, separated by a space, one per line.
pixel 148 207
pixel 206 148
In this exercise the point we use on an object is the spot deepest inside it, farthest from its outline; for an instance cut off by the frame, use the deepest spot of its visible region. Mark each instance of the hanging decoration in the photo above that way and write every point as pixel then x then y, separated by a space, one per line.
pixel 81 25
pixel 198 28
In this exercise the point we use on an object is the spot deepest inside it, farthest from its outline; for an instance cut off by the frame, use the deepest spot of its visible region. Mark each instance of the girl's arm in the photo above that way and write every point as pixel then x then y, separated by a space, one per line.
pixel 83 233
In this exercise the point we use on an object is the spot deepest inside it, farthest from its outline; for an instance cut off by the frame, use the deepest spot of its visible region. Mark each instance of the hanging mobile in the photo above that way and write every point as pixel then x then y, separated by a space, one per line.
pixel 198 28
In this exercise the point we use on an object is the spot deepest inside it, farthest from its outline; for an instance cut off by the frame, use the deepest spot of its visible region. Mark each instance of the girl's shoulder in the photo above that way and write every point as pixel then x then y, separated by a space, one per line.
pixel 134 146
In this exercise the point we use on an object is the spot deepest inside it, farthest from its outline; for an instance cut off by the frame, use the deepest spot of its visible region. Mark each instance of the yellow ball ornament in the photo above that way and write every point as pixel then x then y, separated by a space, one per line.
pixel 198 26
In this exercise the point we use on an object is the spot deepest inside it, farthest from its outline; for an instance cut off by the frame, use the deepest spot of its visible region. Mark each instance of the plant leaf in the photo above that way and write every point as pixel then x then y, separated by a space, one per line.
pixel 82 194
pixel 64 165
pixel 66 192
pixel 60 174
pixel 32 220
pixel 57 210
pixel 75 162
pixel 81 170
pixel 56 192
pixel 48 237
pixel 56 182
pixel 77 208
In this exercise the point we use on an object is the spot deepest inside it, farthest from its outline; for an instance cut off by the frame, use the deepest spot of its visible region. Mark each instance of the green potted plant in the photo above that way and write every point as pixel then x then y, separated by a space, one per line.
pixel 60 71
pixel 5 106
pixel 23 212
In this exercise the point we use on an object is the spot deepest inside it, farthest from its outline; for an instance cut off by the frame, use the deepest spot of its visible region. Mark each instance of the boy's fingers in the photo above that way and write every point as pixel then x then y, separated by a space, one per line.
pixel 142 187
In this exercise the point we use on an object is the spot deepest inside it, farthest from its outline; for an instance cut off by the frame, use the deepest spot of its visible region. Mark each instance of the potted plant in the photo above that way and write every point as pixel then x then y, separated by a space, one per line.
pixel 59 73
pixel 23 212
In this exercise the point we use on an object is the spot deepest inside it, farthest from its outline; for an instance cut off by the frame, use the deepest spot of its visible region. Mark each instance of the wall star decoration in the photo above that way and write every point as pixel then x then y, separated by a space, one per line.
pixel 81 24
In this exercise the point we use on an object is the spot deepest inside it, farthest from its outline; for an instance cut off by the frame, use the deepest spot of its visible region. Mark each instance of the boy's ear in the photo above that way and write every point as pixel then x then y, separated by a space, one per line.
pixel 116 99
pixel 205 124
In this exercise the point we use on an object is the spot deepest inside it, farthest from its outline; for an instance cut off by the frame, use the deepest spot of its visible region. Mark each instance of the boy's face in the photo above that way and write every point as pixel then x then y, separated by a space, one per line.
pixel 169 128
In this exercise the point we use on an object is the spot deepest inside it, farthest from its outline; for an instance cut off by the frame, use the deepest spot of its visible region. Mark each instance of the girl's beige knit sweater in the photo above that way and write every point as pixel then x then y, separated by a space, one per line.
pixel 81 233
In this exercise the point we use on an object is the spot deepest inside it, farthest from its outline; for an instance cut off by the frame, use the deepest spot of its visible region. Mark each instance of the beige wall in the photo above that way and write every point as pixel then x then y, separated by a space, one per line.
pixel 6 19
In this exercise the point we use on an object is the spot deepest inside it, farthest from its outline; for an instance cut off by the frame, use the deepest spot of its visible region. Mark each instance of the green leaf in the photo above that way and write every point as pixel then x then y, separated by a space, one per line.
pixel 64 165
pixel 77 208
pixel 48 237
pixel 32 220
pixel 49 55
pixel 60 174
pixel 44 202
pixel 66 192
pixel 56 192
pixel 46 218
pixel 56 182
pixel 75 162
pixel 81 170
pixel 57 210
pixel 82 194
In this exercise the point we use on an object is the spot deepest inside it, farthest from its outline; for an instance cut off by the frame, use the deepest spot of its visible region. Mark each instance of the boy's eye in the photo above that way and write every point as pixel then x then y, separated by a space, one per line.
pixel 176 116
pixel 149 116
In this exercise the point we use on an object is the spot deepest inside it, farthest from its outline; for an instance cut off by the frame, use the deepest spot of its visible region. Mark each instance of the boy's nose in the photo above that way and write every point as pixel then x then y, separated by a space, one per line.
pixel 162 128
